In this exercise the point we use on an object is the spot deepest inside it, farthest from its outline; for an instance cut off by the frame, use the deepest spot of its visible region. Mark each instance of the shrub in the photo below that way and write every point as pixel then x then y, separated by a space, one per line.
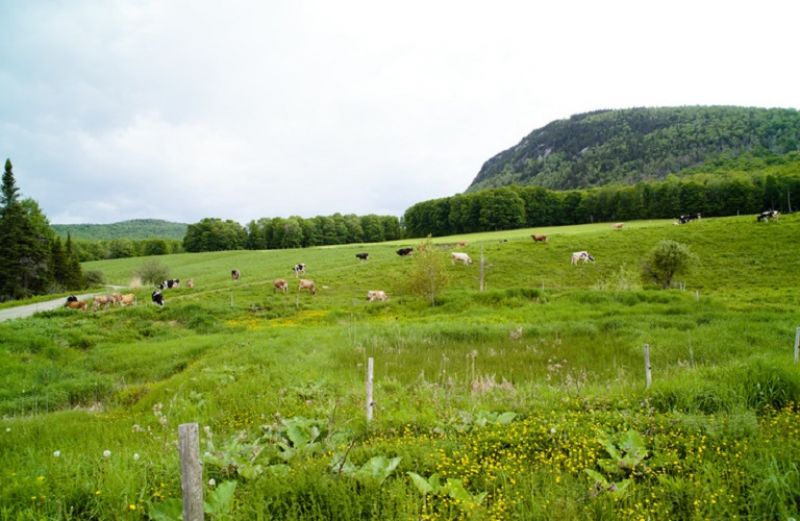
pixel 428 277
pixel 667 259
pixel 93 278
pixel 152 271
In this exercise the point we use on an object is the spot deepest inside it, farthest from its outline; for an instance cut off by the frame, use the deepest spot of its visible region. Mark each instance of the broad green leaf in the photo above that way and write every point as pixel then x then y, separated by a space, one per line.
pixel 599 478
pixel 169 510
pixel 506 418
pixel 220 500
pixel 422 484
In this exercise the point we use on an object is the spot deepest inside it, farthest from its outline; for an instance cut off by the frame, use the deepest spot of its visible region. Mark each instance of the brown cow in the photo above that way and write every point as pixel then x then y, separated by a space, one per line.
pixel 103 301
pixel 127 299
pixel 75 304
pixel 307 284
pixel 618 226
pixel 281 285
pixel 461 244
pixel 190 283
pixel 539 238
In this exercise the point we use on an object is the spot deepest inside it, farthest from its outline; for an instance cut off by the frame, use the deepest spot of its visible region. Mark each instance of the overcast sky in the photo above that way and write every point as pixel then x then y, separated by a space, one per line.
pixel 179 110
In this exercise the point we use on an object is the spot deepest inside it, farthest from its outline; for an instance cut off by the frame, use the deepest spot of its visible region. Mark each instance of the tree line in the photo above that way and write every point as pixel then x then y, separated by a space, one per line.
pixel 212 234
pixel 33 259
pixel 88 250
pixel 712 193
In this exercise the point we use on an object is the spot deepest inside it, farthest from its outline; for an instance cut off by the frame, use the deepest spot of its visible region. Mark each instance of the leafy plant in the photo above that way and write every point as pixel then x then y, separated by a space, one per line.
pixel 453 488
pixel 666 260
pixel 625 459
pixel 152 272
pixel 376 470
pixel 218 503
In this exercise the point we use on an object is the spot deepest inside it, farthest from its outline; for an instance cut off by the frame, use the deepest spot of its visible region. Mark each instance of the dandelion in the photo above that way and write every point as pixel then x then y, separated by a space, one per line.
pixel 131 507
pixel 106 453
pixel 97 492
pixel 56 453
pixel 135 456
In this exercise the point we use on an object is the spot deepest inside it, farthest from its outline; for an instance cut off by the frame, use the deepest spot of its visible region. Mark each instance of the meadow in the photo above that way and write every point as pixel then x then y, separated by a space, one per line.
pixel 523 401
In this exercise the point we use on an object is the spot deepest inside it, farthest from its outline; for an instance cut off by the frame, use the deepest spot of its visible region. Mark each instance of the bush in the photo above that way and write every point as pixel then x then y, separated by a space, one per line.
pixel 153 272
pixel 93 278
pixel 667 259
pixel 428 277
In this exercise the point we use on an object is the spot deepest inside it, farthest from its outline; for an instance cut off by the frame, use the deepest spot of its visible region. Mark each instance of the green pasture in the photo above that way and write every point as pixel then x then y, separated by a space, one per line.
pixel 524 401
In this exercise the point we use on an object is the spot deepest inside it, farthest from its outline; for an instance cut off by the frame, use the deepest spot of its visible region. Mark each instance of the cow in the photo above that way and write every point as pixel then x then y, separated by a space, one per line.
pixel 75 304
pixel 768 215
pixel 299 269
pixel 103 301
pixel 281 285
pixel 171 283
pixel 376 294
pixel 461 244
pixel 307 284
pixel 404 251
pixel 157 297
pixel 618 226
pixel 362 256
pixel 127 299
pixel 685 218
pixel 539 238
pixel 581 256
pixel 235 275
pixel 190 283
pixel 460 257
pixel 72 298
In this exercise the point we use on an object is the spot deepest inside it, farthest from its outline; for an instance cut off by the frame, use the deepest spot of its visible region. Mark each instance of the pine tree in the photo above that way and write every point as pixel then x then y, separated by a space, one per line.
pixel 10 192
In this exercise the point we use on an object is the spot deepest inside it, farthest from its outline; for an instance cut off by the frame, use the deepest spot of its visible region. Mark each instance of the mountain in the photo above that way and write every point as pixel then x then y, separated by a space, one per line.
pixel 133 229
pixel 631 145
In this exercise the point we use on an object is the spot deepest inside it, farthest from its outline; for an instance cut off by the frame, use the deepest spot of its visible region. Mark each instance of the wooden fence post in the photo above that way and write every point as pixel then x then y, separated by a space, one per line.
pixel 797 346
pixel 483 262
pixel 370 402
pixel 191 472
pixel 648 376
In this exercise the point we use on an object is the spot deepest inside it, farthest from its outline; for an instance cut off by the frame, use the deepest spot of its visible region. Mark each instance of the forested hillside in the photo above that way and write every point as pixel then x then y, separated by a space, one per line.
pixel 638 144
pixel 133 229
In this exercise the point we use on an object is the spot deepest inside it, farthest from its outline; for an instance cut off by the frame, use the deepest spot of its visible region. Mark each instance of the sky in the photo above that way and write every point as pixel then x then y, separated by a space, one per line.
pixel 179 110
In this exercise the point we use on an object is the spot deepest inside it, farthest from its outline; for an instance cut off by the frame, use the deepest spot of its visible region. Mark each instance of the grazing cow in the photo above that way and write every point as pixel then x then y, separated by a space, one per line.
pixel 539 238
pixel 685 218
pixel 307 284
pixel 362 256
pixel 768 215
pixel 75 304
pixel 299 269
pixel 461 244
pixel 376 294
pixel 190 283
pixel 72 298
pixel 235 274
pixel 618 226
pixel 127 299
pixel 281 285
pixel 404 251
pixel 460 257
pixel 581 256
pixel 157 297
pixel 171 283
pixel 103 301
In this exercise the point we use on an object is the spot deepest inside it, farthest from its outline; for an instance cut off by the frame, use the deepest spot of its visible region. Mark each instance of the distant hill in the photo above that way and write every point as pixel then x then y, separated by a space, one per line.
pixel 631 145
pixel 133 229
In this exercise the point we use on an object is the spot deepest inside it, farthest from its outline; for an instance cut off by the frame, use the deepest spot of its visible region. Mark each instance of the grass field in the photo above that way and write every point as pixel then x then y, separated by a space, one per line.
pixel 524 401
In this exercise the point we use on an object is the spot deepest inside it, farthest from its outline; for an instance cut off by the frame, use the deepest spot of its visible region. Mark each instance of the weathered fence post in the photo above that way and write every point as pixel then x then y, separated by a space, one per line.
pixel 483 263
pixel 370 402
pixel 797 346
pixel 648 376
pixel 191 472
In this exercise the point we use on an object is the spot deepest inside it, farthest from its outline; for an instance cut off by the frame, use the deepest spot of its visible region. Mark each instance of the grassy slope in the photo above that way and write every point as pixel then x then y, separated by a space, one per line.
pixel 232 355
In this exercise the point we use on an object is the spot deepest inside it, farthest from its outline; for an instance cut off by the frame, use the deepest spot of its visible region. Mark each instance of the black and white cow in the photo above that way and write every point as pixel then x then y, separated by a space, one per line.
pixel 404 251
pixel 362 256
pixel 235 274
pixel 768 215
pixel 299 269
pixel 158 297
pixel 72 298
pixel 171 283
pixel 683 219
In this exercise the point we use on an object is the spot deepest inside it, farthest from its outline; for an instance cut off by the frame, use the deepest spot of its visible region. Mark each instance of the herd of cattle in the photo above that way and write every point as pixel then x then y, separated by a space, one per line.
pixel 282 285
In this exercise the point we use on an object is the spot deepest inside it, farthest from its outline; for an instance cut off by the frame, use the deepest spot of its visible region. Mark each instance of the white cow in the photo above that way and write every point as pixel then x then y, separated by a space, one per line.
pixel 581 256
pixel 460 257
pixel 376 294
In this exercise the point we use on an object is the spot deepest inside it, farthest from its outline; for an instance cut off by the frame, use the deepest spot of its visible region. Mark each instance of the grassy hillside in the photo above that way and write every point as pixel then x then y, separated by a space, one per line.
pixel 527 399
pixel 133 229
pixel 627 146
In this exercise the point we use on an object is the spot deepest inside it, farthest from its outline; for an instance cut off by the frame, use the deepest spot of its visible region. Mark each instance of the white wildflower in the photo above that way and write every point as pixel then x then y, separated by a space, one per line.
pixel 212 482
pixel 56 453
pixel 106 453
pixel 135 456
